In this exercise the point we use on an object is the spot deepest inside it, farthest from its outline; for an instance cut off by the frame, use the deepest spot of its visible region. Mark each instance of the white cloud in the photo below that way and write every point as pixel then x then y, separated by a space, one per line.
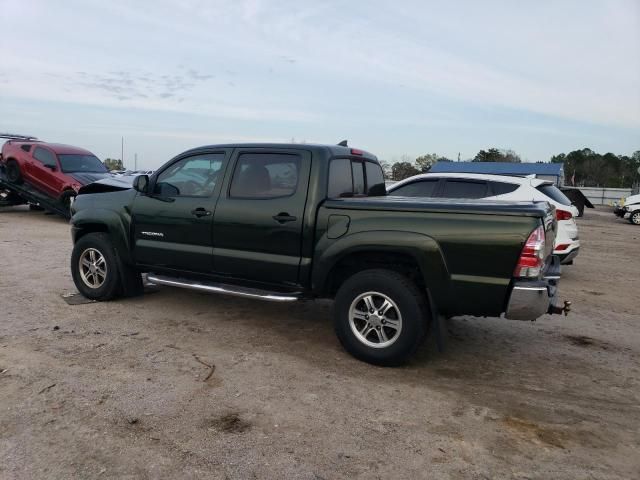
pixel 325 62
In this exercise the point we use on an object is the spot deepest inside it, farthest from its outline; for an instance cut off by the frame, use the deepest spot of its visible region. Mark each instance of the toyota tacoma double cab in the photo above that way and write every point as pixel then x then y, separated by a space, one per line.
pixel 56 170
pixel 284 222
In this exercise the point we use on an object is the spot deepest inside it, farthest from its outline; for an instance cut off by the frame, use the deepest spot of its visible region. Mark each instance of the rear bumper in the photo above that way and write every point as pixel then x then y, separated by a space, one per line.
pixel 568 257
pixel 530 299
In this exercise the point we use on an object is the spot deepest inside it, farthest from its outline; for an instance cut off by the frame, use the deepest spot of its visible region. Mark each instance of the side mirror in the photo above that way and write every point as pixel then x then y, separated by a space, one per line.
pixel 140 183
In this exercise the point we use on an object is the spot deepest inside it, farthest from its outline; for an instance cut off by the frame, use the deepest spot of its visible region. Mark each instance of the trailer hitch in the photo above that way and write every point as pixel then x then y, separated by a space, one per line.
pixel 554 309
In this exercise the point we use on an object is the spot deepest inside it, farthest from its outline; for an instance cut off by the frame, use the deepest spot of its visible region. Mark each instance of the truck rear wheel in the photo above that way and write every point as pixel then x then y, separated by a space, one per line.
pixel 13 172
pixel 381 317
pixel 95 267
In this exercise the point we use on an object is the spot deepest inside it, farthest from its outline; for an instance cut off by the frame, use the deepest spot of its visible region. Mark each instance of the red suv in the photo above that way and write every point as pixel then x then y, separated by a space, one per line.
pixel 54 169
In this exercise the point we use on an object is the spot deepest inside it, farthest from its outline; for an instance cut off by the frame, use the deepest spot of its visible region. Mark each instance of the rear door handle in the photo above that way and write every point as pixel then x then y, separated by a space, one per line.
pixel 283 217
pixel 200 212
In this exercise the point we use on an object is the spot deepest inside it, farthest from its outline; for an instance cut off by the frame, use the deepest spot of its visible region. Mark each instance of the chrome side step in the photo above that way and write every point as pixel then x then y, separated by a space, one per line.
pixel 222 288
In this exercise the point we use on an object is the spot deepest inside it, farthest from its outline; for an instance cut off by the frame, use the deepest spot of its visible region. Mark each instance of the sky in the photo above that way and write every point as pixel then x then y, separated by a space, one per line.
pixel 399 79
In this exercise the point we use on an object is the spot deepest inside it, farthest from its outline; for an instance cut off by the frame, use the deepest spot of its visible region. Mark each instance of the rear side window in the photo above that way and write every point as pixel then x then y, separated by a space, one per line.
pixel 358 177
pixel 464 189
pixel 422 188
pixel 265 175
pixel 44 156
pixel 501 188
pixel 348 178
pixel 554 193
pixel 340 178
pixel 375 179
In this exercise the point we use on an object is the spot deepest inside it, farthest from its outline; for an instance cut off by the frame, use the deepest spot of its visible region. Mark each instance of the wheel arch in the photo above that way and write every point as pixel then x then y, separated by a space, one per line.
pixel 104 221
pixel 415 255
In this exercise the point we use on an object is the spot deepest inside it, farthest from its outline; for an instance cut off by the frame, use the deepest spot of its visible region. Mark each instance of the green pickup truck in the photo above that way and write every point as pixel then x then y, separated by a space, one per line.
pixel 284 222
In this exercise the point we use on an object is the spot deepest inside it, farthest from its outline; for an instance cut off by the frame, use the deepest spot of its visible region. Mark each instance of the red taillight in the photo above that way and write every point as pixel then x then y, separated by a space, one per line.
pixel 355 151
pixel 562 246
pixel 563 215
pixel 531 258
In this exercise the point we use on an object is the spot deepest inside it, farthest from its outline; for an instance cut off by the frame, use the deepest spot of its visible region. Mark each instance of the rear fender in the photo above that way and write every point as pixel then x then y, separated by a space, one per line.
pixel 424 249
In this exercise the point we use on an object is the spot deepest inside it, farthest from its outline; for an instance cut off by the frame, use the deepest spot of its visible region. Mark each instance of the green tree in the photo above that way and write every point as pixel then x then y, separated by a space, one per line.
pixel 425 162
pixel 402 170
pixel 590 169
pixel 496 155
pixel 113 164
pixel 386 169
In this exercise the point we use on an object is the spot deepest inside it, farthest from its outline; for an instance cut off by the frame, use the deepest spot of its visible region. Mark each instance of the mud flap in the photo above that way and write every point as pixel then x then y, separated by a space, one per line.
pixel 439 323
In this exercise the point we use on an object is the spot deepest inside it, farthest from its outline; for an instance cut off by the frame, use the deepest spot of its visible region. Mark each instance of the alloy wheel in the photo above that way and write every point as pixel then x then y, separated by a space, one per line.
pixel 375 319
pixel 93 268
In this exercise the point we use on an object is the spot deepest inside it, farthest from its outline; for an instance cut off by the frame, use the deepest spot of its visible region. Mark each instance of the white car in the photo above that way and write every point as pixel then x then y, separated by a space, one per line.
pixel 630 209
pixel 500 187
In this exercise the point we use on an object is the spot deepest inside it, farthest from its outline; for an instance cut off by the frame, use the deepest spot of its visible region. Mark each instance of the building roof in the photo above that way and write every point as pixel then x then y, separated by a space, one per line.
pixel 498 168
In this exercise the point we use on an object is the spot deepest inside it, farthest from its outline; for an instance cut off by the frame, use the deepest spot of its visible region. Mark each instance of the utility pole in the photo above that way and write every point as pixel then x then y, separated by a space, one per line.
pixel 458 156
pixel 122 150
pixel 135 161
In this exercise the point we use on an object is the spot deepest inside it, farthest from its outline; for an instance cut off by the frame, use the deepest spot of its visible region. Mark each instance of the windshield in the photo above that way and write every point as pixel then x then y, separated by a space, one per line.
pixel 81 163
pixel 554 193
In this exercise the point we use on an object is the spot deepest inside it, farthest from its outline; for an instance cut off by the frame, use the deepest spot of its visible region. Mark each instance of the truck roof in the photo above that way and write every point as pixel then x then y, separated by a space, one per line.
pixel 334 150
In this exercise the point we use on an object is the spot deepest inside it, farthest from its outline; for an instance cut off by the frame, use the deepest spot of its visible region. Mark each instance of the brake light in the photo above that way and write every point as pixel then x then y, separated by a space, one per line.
pixel 355 151
pixel 531 258
pixel 562 246
pixel 563 215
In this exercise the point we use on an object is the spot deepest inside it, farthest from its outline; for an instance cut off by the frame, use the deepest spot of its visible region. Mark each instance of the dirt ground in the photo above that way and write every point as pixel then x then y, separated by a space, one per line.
pixel 123 389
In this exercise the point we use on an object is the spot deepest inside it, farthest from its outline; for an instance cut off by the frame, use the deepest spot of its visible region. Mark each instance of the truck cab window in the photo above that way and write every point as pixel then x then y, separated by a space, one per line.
pixel 265 175
pixel 192 176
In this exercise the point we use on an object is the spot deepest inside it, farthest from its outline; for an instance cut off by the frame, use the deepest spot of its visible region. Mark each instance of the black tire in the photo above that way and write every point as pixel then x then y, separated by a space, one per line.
pixel 111 285
pixel 634 217
pixel 408 300
pixel 65 200
pixel 12 169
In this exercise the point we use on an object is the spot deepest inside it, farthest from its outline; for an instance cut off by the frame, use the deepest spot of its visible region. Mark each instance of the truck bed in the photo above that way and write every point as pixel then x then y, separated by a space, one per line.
pixel 440 205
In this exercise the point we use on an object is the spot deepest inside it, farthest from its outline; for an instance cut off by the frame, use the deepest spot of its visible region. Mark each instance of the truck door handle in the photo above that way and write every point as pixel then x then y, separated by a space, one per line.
pixel 200 212
pixel 284 217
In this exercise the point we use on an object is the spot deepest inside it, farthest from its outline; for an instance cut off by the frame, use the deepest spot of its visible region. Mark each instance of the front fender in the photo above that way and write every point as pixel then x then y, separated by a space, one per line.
pixel 117 225
pixel 424 249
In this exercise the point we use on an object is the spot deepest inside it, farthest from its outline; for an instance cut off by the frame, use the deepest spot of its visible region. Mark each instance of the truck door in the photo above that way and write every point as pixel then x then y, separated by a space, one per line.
pixel 172 224
pixel 259 218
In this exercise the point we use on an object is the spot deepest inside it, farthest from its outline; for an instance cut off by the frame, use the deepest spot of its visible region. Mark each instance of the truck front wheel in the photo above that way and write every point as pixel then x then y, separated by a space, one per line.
pixel 95 267
pixel 381 317
pixel 66 200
